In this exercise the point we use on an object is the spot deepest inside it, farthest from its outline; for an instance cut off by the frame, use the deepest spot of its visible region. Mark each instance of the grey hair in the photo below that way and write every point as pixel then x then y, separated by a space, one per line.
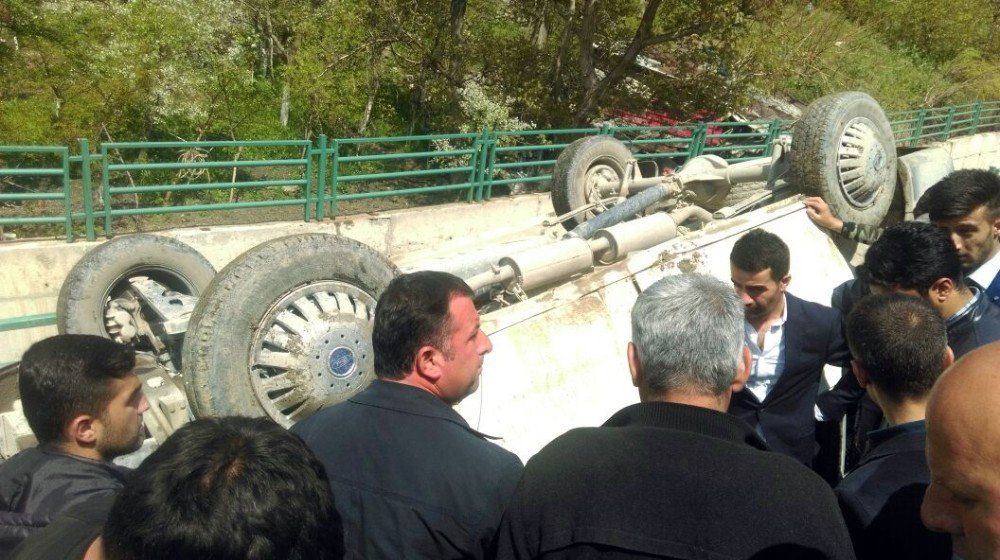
pixel 688 332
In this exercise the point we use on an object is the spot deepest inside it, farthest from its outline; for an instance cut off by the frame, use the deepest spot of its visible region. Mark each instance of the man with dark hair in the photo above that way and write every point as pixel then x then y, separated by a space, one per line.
pixel 674 476
pixel 84 404
pixel 919 259
pixel 966 203
pixel 230 488
pixel 900 348
pixel 790 340
pixel 414 480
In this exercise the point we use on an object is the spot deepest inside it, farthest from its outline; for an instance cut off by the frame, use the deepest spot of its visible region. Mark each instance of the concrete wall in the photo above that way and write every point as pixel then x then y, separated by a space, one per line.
pixel 920 170
pixel 32 271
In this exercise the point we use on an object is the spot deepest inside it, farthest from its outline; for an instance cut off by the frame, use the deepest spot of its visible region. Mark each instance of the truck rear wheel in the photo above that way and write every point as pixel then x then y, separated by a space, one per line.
pixel 843 150
pixel 98 298
pixel 578 169
pixel 285 329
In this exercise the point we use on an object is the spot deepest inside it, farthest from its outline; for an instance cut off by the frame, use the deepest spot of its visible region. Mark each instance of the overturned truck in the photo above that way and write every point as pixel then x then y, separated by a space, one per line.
pixel 284 329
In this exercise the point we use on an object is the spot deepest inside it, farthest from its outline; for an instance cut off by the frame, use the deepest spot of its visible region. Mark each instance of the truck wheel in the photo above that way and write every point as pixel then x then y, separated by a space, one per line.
pixel 285 329
pixel 99 286
pixel 577 170
pixel 843 150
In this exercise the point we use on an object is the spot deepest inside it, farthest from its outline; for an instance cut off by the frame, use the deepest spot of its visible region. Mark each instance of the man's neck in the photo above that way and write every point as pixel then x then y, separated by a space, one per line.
pixel 907 410
pixel 955 303
pixel 73 448
pixel 762 323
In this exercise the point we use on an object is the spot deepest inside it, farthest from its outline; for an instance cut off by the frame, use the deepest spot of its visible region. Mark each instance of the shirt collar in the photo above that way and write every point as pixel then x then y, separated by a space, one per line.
pixel 985 274
pixel 688 418
pixel 411 400
pixel 957 316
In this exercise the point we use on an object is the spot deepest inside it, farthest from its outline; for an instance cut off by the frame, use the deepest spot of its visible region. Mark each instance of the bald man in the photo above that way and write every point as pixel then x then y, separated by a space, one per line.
pixel 963 453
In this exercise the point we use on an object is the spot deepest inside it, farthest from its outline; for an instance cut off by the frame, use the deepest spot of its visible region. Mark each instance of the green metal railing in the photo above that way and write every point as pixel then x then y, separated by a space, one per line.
pixel 143 178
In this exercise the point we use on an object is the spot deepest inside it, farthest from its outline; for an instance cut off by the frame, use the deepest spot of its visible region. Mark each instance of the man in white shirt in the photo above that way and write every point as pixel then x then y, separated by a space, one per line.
pixel 966 204
pixel 790 341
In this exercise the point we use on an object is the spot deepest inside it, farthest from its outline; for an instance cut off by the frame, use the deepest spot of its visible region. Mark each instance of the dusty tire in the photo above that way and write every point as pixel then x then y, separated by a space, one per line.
pixel 843 150
pixel 103 275
pixel 578 166
pixel 285 329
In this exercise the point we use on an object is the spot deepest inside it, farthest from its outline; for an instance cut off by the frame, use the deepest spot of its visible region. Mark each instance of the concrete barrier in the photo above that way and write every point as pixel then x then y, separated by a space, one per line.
pixel 32 272
pixel 919 170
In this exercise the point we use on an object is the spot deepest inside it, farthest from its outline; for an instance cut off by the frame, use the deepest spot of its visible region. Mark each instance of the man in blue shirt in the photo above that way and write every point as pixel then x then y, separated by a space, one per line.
pixel 900 348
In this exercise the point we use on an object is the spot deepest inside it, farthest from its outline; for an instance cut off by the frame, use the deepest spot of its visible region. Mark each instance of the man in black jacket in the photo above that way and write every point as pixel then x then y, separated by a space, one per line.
pixel 674 476
pixel 790 340
pixel 900 349
pixel 84 404
pixel 412 478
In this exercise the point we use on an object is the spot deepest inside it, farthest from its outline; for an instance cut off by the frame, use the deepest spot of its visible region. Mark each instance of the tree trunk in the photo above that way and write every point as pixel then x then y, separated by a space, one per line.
pixel 285 102
pixel 594 90
pixel 457 17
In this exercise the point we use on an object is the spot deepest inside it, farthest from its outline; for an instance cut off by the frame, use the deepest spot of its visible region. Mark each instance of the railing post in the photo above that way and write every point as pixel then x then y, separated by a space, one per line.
pixel 976 114
pixel 321 179
pixel 334 176
pixel 918 127
pixel 88 192
pixel 307 174
pixel 773 130
pixel 475 192
pixel 67 195
pixel 696 146
pixel 948 121
pixel 480 168
pixel 488 168
pixel 106 190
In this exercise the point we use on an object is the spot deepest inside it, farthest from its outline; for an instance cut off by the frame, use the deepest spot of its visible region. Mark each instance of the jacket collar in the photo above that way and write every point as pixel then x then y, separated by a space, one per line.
pixel 896 439
pixel 411 400
pixel 687 418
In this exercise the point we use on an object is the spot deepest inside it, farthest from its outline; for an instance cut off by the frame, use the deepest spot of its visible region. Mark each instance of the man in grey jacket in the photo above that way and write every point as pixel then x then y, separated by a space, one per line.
pixel 84 404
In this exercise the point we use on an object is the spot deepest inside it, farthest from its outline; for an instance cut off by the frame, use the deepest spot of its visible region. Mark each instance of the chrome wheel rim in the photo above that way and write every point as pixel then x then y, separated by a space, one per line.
pixel 862 163
pixel 313 349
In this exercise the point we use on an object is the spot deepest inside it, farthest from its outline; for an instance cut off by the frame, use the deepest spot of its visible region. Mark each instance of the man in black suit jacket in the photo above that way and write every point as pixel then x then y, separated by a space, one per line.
pixel 790 340
pixel 900 349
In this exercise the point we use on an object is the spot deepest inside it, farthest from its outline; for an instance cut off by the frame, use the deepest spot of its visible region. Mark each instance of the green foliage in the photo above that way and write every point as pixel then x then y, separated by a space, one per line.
pixel 250 69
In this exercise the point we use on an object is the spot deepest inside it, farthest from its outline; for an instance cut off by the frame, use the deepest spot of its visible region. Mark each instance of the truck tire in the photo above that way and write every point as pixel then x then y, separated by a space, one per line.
pixel 103 274
pixel 285 329
pixel 578 167
pixel 843 150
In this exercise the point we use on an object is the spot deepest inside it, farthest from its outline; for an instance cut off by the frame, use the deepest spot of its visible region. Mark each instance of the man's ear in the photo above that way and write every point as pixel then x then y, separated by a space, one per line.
pixel 81 430
pixel 941 290
pixel 634 367
pixel 861 374
pixel 785 281
pixel 949 357
pixel 427 363
pixel 742 370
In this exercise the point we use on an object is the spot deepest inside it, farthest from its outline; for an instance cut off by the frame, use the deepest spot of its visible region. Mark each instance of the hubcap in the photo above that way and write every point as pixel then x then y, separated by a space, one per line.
pixel 313 349
pixel 862 163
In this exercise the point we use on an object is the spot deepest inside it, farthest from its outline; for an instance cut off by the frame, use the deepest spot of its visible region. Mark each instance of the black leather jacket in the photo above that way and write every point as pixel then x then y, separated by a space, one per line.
pixel 36 485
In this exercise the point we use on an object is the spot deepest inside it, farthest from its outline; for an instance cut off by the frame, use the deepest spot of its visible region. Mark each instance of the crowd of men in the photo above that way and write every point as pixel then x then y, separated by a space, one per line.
pixel 713 462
